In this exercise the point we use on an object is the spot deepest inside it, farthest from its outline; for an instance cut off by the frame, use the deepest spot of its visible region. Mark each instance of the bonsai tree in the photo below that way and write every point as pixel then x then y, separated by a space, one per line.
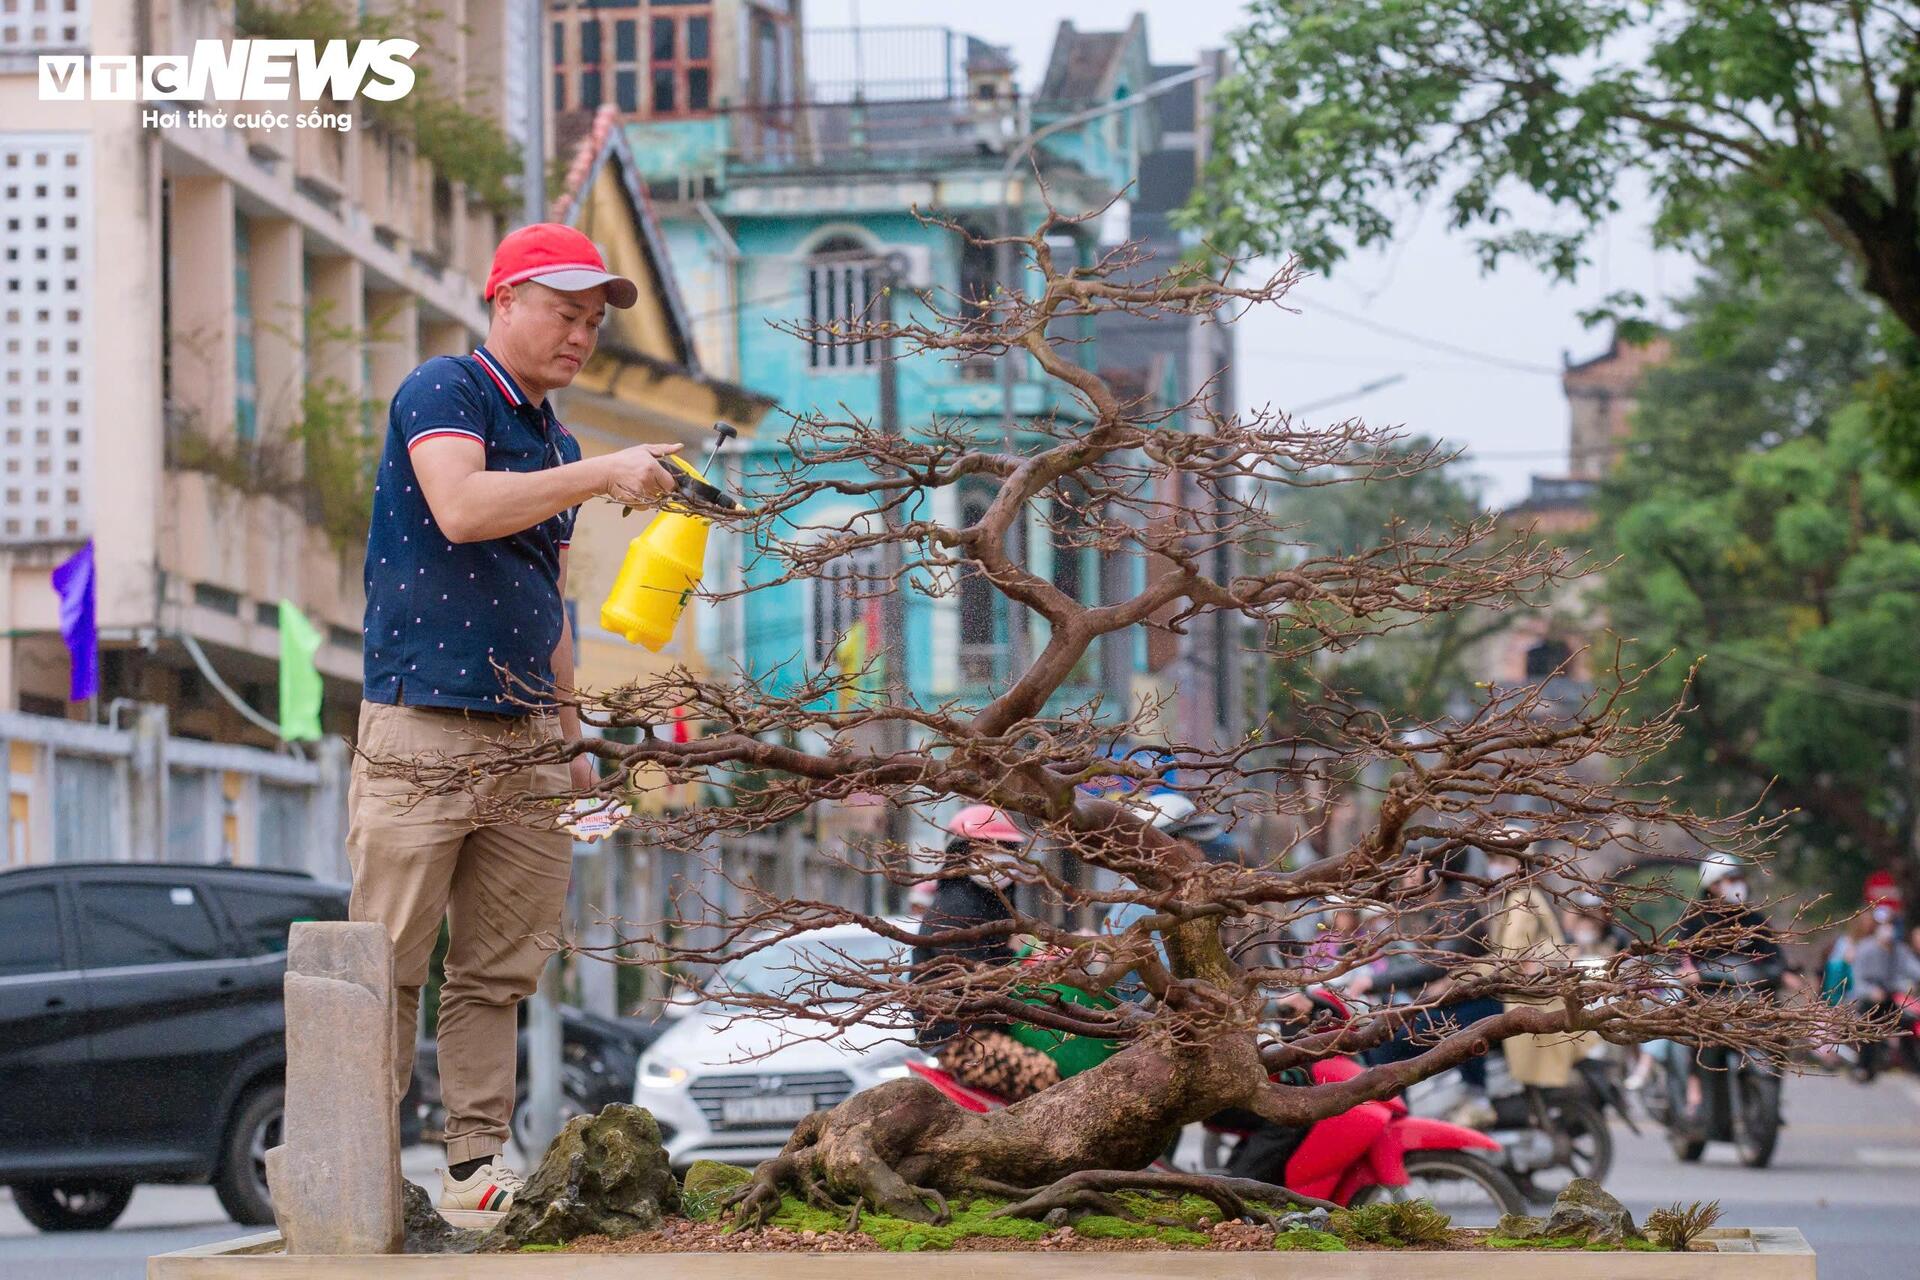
pixel 1183 486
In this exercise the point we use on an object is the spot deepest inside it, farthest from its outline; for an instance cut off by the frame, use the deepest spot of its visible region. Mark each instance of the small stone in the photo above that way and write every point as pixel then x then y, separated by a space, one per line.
pixel 1056 1218
pixel 1586 1211
pixel 1519 1226
pixel 706 1184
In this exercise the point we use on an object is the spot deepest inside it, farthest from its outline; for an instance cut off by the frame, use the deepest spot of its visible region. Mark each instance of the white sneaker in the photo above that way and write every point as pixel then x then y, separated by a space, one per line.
pixel 490 1188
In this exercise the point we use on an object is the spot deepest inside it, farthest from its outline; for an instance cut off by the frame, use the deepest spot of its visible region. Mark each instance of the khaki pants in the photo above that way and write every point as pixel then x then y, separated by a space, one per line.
pixel 498 887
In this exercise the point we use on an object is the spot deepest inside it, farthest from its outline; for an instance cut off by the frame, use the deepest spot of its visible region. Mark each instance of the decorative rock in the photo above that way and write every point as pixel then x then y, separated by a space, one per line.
pixel 1586 1211
pixel 427 1232
pixel 1312 1220
pixel 604 1175
pixel 336 1180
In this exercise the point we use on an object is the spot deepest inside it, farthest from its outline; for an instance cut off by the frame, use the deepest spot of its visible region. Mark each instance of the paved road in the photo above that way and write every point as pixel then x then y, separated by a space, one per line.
pixel 1847 1174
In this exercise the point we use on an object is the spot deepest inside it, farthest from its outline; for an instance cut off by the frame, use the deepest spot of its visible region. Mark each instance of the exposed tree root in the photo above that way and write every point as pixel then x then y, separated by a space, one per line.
pixel 1092 1191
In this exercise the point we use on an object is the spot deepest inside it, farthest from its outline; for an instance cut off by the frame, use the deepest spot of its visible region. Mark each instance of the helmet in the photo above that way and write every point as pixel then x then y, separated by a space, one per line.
pixel 984 822
pixel 1179 817
pixel 1719 867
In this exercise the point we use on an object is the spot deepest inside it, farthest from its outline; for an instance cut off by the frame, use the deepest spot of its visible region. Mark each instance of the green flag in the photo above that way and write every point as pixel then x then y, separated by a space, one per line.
pixel 299 677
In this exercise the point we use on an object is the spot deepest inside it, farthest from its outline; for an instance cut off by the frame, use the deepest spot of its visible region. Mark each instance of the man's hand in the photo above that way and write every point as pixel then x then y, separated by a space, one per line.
pixel 636 476
pixel 584 774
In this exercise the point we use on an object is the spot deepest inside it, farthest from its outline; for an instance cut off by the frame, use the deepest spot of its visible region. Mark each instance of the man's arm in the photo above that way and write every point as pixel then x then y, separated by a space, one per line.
pixel 583 770
pixel 473 504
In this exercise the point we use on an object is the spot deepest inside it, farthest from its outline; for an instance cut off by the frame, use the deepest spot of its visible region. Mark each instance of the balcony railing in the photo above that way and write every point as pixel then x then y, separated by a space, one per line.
pixel 868 135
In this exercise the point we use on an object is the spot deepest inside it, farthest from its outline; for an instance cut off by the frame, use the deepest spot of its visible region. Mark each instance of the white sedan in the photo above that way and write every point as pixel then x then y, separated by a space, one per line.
pixel 726 1087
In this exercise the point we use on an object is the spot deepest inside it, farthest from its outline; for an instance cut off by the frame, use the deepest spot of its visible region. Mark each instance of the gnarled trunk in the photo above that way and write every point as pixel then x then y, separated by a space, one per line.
pixel 904 1147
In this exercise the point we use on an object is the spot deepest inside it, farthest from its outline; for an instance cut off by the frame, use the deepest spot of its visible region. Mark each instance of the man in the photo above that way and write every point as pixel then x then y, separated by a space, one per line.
pixel 465 638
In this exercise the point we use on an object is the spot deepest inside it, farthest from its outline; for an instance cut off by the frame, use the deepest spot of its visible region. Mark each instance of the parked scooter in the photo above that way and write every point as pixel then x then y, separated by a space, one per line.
pixel 1547 1137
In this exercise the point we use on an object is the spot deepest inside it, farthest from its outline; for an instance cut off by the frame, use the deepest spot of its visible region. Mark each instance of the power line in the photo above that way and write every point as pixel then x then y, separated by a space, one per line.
pixel 1436 344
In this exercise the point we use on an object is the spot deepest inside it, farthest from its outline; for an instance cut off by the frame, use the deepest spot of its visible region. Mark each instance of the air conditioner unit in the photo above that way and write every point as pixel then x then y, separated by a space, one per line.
pixel 912 264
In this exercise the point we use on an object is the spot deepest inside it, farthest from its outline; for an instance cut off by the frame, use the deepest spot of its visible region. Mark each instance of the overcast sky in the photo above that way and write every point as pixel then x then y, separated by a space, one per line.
pixel 1506 408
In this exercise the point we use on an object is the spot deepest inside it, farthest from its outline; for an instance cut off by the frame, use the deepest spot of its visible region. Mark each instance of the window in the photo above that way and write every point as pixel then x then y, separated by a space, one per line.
pixel 839 292
pixel 262 919
pixel 626 90
pixel 589 40
pixel 153 922
pixel 30 932
pixel 1546 658
pixel 1069 554
pixel 846 595
pixel 589 88
pixel 623 40
pixel 45 281
pixel 559 42
pixel 979 647
pixel 559 91
pixel 680 58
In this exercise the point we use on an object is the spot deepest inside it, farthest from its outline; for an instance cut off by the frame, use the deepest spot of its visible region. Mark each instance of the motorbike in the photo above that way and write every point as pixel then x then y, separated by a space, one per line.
pixel 1547 1137
pixel 1904 1044
pixel 1739 1094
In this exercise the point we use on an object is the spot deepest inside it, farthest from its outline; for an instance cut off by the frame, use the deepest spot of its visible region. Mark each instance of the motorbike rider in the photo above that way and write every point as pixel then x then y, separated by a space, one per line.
pixel 1884 967
pixel 973 889
pixel 1723 903
pixel 1459 923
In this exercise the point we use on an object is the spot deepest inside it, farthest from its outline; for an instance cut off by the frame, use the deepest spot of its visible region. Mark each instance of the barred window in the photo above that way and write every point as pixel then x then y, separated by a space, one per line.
pixel 840 293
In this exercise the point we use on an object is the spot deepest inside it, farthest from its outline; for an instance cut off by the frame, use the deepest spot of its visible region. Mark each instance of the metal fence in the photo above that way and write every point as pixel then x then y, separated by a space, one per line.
pixel 80 792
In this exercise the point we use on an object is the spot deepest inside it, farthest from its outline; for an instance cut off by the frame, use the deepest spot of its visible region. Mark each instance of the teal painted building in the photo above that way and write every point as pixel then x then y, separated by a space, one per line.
pixel 785 211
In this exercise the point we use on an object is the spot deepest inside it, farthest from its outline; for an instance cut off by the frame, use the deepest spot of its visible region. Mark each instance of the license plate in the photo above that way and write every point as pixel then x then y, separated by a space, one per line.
pixel 778 1109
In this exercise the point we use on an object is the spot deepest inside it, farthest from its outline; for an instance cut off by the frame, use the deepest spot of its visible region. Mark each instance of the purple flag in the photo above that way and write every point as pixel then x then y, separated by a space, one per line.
pixel 73 579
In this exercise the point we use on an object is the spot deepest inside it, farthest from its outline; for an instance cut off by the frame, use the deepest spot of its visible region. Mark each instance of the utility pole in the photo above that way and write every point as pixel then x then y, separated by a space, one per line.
pixel 893 604
pixel 1004 267
pixel 544 1038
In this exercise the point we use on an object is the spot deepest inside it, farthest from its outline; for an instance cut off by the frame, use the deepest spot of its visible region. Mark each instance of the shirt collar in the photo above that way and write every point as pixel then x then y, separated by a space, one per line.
pixel 502 379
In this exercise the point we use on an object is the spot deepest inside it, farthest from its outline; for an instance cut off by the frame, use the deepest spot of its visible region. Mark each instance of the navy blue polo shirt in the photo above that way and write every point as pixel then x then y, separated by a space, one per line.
pixel 440 614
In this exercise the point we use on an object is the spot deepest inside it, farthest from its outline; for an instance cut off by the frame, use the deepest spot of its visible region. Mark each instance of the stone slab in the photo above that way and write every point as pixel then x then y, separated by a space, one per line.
pixel 336 1179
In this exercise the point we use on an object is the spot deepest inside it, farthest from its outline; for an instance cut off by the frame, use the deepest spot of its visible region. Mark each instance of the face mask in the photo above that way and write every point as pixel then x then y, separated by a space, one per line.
pixel 1734 892
pixel 1500 870
pixel 1884 933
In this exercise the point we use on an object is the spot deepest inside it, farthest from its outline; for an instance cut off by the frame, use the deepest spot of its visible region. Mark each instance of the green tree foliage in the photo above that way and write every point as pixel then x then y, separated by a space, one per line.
pixel 1760 535
pixel 1528 118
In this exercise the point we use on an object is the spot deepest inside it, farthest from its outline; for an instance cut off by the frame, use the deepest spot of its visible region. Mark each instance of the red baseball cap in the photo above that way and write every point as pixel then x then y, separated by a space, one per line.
pixel 559 257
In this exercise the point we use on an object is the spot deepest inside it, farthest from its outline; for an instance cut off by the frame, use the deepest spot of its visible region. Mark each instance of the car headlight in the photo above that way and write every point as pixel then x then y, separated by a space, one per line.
pixel 659 1075
pixel 892 1065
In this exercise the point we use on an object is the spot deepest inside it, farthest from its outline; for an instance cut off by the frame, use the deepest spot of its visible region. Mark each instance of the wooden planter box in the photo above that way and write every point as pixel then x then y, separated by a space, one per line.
pixel 1764 1253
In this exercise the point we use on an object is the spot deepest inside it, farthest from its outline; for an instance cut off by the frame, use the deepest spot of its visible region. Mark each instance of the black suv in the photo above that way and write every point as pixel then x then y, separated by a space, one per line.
pixel 142 1032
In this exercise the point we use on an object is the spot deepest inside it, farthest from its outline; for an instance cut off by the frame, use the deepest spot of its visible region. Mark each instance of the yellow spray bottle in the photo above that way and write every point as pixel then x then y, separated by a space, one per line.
pixel 665 563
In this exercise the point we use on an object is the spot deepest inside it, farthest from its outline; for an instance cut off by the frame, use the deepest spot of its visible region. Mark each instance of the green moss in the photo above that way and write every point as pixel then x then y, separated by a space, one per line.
pixel 706 1183
pixel 1306 1239
pixel 1575 1242
pixel 1099 1226
pixel 543 1248
pixel 974 1220
pixel 1192 1212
